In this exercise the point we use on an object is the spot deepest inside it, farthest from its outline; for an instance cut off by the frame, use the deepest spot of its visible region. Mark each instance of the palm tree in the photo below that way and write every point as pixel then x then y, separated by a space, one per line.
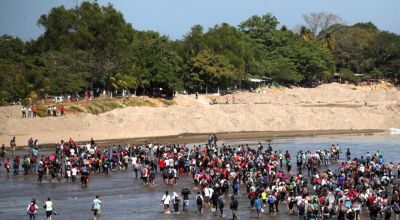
pixel 329 41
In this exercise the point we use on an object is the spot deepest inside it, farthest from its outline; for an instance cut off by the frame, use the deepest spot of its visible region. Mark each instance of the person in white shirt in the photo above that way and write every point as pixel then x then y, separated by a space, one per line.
pixel 49 208
pixel 207 196
pixel 72 152
pixel 166 200
pixel 74 171
pixel 32 209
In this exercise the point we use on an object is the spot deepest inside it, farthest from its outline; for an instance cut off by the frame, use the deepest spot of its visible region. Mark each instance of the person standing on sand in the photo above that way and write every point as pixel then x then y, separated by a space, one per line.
pixel 29 111
pixel 54 111
pixel 34 111
pixel 62 110
pixel 23 110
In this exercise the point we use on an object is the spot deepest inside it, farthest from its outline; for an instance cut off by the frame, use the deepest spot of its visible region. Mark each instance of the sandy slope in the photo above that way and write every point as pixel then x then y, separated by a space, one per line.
pixel 279 112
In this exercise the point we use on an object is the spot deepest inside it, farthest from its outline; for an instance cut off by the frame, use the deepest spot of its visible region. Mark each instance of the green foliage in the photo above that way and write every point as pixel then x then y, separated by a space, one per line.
pixel 76 109
pixel 138 103
pixel 100 107
pixel 348 75
pixel 374 74
pixel 269 139
pixel 92 46
pixel 112 105
pixel 93 110
pixel 210 70
pixel 167 102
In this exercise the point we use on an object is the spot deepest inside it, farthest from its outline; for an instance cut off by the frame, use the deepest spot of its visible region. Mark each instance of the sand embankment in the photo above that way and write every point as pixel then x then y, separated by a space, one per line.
pixel 295 110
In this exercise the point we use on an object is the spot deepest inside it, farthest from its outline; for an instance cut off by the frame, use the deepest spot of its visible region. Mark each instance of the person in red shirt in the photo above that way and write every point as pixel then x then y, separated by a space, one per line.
pixel 62 110
pixel 33 164
pixel 7 166
pixel 34 111
pixel 162 165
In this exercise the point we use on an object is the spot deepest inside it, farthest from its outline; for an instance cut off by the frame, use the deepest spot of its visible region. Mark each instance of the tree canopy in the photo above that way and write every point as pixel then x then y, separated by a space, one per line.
pixel 92 46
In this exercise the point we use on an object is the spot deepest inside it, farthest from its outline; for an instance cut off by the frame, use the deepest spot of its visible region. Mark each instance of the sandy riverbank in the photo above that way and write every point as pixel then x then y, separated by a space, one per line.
pixel 324 110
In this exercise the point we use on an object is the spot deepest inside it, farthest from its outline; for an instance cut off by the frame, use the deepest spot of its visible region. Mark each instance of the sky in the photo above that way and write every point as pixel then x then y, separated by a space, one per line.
pixel 175 17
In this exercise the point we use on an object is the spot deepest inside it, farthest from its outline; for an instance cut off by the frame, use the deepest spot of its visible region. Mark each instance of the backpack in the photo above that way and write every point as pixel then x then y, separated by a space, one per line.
pixel 351 214
pixel 291 187
pixel 226 184
pixel 302 206
pixel 236 186
pixel 211 172
pixel 333 210
pixel 32 208
pixel 221 202
pixel 271 200
pixel 388 211
pixel 172 174
pixel 177 199
pixel 342 209
pixel 144 172
pixel 309 208
pixel 326 210
pixel 152 174
pixel 199 200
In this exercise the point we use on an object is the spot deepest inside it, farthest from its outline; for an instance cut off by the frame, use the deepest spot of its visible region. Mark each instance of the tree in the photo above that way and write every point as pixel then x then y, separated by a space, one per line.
pixel 210 70
pixel 319 22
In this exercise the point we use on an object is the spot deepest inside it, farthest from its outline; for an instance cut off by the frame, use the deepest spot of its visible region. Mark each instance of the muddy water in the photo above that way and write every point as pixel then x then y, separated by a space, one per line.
pixel 126 198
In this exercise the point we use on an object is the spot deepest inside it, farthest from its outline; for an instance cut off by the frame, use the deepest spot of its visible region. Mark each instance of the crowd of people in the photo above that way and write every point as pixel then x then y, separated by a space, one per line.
pixel 362 185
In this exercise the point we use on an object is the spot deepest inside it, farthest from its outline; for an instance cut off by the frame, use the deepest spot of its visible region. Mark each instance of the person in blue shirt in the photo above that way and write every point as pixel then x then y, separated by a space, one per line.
pixel 96 207
pixel 380 159
pixel 258 205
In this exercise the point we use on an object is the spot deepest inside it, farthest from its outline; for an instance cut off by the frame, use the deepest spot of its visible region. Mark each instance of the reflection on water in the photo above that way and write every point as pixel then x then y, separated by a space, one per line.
pixel 126 198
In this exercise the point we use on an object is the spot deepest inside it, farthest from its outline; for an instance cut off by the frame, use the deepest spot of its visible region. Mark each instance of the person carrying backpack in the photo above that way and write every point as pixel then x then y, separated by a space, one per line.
pixel 271 203
pixel 351 213
pixel 234 206
pixel 176 201
pixel 302 208
pixel 144 175
pixel 32 210
pixel 199 202
pixel 310 210
pixel 388 212
pixel 342 211
pixel 374 210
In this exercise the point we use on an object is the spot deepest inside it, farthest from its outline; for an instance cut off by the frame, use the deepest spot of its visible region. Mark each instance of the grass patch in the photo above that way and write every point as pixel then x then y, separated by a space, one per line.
pixel 269 139
pixel 368 134
pixel 354 88
pixel 100 107
pixel 139 103
pixel 112 105
pixel 76 109
pixel 168 103
pixel 93 110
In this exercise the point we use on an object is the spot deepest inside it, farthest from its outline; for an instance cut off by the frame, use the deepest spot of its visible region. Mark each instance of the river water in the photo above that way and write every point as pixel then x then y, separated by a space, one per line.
pixel 126 198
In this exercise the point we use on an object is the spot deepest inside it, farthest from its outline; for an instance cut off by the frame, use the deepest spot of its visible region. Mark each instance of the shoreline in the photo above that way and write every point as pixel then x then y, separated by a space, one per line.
pixel 222 136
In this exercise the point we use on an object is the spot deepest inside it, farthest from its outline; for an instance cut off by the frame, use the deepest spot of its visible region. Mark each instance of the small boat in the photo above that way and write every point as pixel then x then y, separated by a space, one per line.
pixel 394 131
